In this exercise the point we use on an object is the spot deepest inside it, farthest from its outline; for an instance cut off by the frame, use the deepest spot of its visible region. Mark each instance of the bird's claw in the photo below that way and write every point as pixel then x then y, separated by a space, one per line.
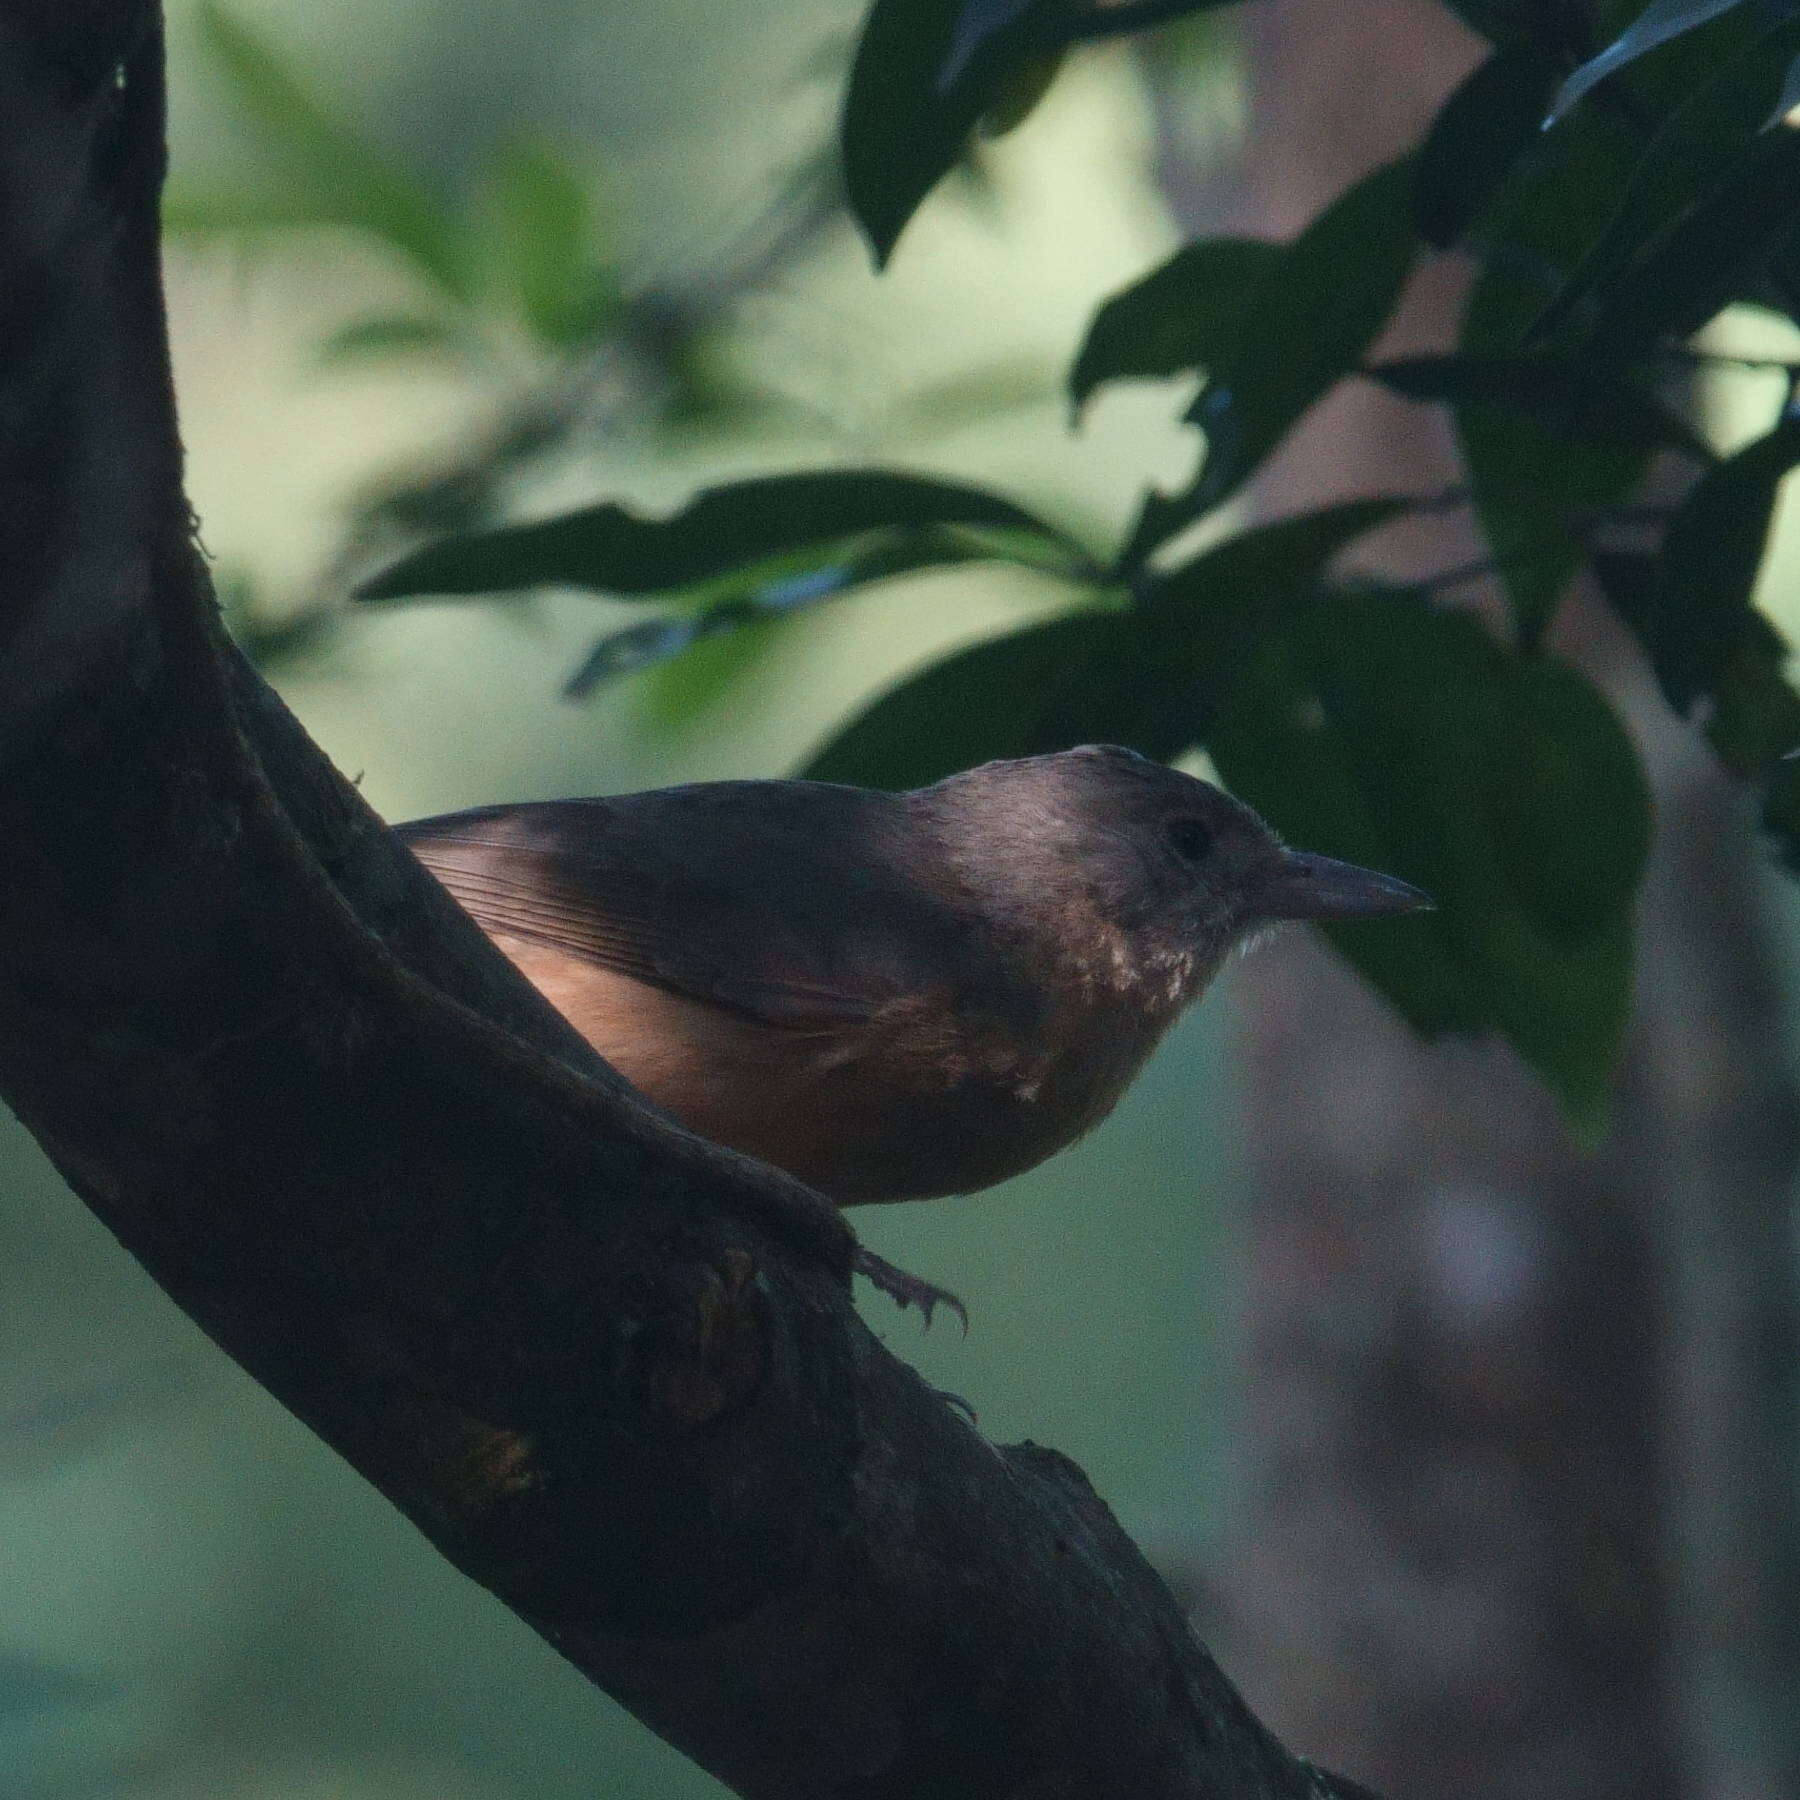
pixel 908 1290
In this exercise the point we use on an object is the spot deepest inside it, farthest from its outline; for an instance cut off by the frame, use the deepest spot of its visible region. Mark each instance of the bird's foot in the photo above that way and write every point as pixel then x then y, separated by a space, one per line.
pixel 908 1290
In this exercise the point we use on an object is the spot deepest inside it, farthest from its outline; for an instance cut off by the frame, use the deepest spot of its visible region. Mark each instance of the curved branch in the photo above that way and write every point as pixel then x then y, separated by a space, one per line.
pixel 612 1371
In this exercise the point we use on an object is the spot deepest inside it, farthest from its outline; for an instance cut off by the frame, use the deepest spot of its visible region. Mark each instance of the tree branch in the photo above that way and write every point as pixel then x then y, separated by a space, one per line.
pixel 612 1371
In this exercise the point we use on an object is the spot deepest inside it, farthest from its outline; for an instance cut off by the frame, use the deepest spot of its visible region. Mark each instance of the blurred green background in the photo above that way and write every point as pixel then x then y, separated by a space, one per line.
pixel 195 1598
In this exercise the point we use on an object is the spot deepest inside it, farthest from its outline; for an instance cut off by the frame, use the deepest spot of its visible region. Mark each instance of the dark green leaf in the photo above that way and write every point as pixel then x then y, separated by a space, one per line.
pixel 1256 576
pixel 1533 486
pixel 972 706
pixel 1276 748
pixel 1522 23
pixel 1750 709
pixel 1160 675
pixel 611 550
pixel 332 175
pixel 1314 316
pixel 1752 713
pixel 926 72
pixel 1703 146
pixel 1569 399
pixel 1484 128
pixel 1660 21
pixel 1504 786
pixel 1716 254
pixel 1185 315
pixel 1696 619
pixel 1017 94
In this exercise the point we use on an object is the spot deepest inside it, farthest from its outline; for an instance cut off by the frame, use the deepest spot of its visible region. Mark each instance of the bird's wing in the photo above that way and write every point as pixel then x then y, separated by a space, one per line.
pixel 764 898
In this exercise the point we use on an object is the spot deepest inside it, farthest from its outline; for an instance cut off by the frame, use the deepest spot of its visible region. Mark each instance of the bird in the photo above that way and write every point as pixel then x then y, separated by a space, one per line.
pixel 892 996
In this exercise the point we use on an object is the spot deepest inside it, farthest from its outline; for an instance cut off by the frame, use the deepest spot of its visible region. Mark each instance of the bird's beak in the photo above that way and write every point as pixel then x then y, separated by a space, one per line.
pixel 1303 886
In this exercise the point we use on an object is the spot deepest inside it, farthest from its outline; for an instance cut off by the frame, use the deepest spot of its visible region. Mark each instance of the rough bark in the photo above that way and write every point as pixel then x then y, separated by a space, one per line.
pixel 611 1371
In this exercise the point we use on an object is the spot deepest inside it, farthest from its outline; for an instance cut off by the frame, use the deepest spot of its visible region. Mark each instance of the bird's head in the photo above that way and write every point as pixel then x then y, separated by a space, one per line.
pixel 1135 868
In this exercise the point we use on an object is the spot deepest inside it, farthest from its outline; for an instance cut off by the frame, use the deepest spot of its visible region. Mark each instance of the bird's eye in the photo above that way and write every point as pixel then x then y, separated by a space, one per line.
pixel 1190 839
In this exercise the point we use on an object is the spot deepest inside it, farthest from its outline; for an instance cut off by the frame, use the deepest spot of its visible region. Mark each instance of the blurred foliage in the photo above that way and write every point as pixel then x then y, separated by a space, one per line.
pixel 1616 175
pixel 523 251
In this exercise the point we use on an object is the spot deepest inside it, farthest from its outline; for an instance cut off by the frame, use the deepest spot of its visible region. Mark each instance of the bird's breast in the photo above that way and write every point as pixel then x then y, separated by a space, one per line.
pixel 925 1097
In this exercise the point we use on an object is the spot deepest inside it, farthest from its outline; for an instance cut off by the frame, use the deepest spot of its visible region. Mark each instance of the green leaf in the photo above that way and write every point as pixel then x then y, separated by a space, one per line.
pixel 543 252
pixel 1483 129
pixel 1183 316
pixel 974 705
pixel 1017 94
pixel 926 72
pixel 387 335
pixel 1660 21
pixel 1216 608
pixel 1738 677
pixel 1320 305
pixel 187 213
pixel 1503 785
pixel 1568 399
pixel 610 549
pixel 1533 485
pixel 1691 606
pixel 1512 24
pixel 332 175
pixel 1716 254
pixel 1711 554
pixel 764 593
pixel 1160 675
pixel 1276 749
pixel 1703 146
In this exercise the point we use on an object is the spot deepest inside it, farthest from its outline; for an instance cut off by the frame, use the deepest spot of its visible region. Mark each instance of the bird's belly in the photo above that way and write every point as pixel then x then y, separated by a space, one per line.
pixel 863 1114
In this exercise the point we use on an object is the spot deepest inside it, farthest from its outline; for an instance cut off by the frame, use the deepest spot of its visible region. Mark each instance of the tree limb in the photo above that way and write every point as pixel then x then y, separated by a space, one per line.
pixel 612 1371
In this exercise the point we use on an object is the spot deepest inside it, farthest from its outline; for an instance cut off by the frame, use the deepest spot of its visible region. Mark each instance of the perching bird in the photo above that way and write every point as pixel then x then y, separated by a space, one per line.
pixel 892 996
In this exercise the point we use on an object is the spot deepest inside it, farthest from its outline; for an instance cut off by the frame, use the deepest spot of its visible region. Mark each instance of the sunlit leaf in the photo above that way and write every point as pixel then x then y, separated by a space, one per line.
pixel 392 335
pixel 330 172
pixel 544 255
pixel 1319 307
pixel 610 549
